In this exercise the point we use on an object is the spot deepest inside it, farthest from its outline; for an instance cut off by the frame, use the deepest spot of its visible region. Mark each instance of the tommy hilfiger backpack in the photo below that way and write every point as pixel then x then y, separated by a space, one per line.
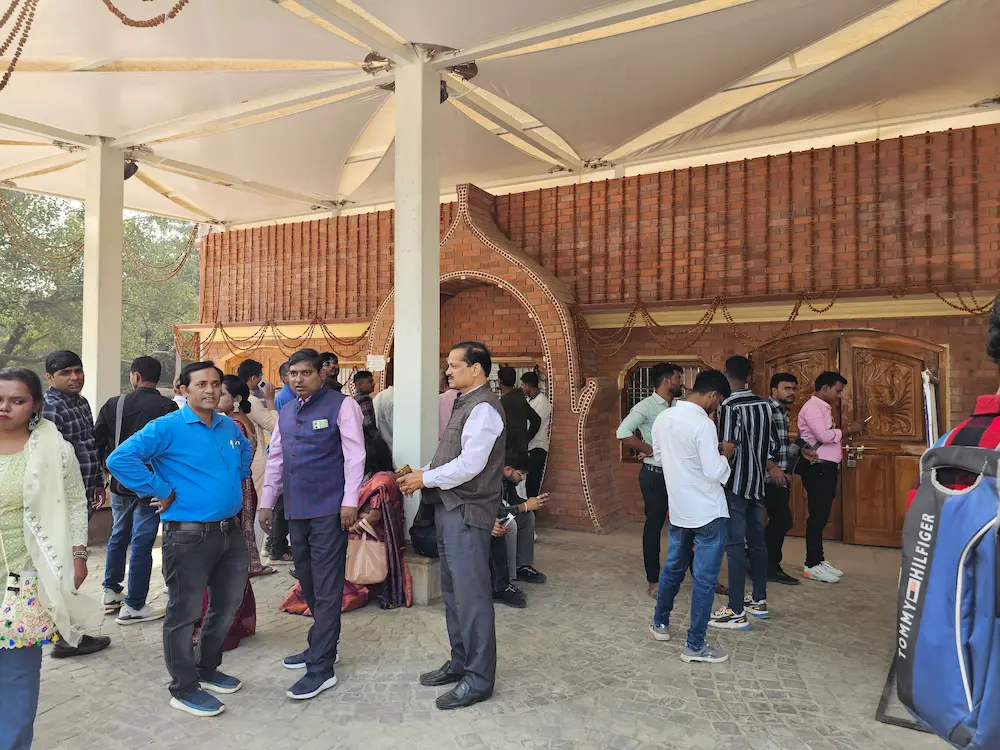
pixel 948 624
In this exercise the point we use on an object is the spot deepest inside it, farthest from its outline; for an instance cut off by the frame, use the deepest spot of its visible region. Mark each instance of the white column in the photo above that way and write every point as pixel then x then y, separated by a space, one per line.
pixel 418 270
pixel 102 274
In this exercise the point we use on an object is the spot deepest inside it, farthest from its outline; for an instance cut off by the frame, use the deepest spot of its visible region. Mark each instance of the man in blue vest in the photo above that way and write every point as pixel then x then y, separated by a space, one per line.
pixel 317 458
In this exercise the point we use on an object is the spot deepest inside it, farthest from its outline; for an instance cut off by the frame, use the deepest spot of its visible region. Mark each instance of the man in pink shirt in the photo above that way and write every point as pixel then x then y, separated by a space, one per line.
pixel 820 432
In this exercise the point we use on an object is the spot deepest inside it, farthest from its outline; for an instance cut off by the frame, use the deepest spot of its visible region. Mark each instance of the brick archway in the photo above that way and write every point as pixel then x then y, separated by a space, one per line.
pixel 475 251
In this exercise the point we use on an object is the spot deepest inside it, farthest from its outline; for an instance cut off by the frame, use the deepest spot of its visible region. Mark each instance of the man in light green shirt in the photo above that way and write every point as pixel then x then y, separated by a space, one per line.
pixel 667 386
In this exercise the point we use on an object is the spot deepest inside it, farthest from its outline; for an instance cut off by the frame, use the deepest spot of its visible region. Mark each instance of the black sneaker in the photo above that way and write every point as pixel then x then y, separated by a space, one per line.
pixel 780 576
pixel 512 596
pixel 530 575
pixel 89 644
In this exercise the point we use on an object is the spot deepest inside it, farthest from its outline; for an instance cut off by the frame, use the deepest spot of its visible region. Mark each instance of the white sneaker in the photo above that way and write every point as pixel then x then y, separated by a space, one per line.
pixel 113 600
pixel 819 573
pixel 129 616
pixel 830 569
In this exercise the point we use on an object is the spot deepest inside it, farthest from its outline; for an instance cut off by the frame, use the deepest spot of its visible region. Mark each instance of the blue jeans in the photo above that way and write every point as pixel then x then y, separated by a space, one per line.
pixel 135 526
pixel 746 531
pixel 20 675
pixel 709 543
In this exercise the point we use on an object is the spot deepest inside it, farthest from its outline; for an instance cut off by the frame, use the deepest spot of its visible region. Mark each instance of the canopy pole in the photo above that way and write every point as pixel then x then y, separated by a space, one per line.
pixel 102 274
pixel 418 269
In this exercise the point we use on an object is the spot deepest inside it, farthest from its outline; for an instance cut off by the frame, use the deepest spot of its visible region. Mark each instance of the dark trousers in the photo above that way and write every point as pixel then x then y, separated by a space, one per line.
pixel 778 504
pixel 319 550
pixel 215 557
pixel 820 482
pixel 745 542
pixel 499 564
pixel 278 541
pixel 536 467
pixel 468 600
pixel 654 501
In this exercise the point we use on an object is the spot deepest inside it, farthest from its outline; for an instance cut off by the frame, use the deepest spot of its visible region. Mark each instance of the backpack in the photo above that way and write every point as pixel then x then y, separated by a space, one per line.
pixel 948 618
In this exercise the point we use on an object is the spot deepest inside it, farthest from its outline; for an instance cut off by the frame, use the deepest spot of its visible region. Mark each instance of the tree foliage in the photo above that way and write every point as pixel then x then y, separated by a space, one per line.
pixel 41 299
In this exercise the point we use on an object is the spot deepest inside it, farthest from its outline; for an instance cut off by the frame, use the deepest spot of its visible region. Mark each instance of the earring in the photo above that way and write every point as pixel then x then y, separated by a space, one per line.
pixel 33 422
pixel 237 402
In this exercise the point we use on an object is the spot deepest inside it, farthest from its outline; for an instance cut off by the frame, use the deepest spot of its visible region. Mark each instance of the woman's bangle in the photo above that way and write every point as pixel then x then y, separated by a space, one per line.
pixel 81 554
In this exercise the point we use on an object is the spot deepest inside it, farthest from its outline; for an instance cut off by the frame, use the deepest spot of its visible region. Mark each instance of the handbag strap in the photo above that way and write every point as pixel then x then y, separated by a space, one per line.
pixel 119 411
pixel 367 528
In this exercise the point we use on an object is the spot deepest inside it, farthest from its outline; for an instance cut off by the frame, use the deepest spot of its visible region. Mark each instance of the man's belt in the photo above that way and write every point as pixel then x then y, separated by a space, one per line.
pixel 225 525
pixel 654 469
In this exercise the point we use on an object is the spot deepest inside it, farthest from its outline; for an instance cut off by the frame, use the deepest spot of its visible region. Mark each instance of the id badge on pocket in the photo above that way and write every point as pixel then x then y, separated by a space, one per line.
pixel 320 424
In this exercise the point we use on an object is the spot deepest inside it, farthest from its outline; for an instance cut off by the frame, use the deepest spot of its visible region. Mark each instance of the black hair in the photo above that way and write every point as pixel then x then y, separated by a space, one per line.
pixel 530 379
pixel 517 458
pixel 60 360
pixel 249 368
pixel 327 356
pixel 708 381
pixel 829 378
pixel 738 368
pixel 191 369
pixel 663 371
pixel 361 375
pixel 783 377
pixel 149 369
pixel 476 353
pixel 306 355
pixel 238 388
pixel 378 457
pixel 283 370
pixel 507 376
pixel 30 379
pixel 993 334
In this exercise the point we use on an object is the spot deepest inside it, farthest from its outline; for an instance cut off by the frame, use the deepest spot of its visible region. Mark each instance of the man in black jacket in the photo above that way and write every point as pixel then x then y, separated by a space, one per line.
pixel 135 522
pixel 523 422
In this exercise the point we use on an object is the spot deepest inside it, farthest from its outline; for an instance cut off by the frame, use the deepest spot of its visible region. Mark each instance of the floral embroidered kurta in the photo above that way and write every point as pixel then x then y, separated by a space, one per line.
pixel 12 516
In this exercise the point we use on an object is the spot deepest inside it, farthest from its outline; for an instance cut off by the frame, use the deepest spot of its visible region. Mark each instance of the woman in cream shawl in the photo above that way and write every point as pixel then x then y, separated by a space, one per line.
pixel 43 537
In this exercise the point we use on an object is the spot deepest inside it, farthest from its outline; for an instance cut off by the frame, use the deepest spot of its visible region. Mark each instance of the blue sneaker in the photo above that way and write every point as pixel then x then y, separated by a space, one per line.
pixel 310 685
pixel 298 661
pixel 218 682
pixel 198 703
pixel 708 654
pixel 659 632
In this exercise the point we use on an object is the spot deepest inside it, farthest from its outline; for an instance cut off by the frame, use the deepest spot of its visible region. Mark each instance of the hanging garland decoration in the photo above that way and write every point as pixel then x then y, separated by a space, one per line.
pixel 34 250
pixel 148 23
pixel 173 267
pixel 20 30
pixel 190 345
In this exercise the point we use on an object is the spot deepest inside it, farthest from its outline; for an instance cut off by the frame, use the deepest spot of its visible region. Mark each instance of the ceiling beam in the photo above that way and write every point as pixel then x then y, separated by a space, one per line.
pixel 852 37
pixel 362 29
pixel 201 121
pixel 222 179
pixel 47 132
pixel 37 167
pixel 471 97
pixel 622 12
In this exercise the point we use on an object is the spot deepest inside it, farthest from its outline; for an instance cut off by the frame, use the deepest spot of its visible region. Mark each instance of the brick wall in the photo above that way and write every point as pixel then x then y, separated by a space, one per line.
pixel 493 316
pixel 921 211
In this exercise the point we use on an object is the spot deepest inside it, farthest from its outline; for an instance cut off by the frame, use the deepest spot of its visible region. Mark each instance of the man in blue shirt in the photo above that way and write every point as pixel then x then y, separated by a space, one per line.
pixel 286 394
pixel 193 463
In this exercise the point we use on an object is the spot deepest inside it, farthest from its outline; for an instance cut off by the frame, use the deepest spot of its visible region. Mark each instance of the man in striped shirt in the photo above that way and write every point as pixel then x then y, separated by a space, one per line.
pixel 745 419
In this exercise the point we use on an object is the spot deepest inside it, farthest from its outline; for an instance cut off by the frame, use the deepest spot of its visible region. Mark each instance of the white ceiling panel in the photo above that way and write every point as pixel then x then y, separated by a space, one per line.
pixel 468 154
pixel 112 104
pixel 460 24
pixel 214 29
pixel 600 94
pixel 303 152
pixel 916 71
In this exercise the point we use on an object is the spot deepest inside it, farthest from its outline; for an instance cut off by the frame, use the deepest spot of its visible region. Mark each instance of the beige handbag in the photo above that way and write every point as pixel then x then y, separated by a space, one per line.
pixel 367 561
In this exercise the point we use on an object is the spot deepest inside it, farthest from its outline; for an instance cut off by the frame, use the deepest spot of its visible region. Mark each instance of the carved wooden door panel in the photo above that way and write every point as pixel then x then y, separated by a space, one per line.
pixel 805 357
pixel 884 386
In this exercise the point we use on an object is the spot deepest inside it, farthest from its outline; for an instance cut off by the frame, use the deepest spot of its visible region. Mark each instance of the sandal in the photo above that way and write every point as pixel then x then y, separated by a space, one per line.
pixel 264 571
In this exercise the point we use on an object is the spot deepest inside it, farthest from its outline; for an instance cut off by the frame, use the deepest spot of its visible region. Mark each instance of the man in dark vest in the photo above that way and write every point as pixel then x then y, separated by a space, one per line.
pixel 463 482
pixel 317 458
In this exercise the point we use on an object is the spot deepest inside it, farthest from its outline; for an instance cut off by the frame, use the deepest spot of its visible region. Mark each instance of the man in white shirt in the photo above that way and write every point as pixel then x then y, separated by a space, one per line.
pixel 383 403
pixel 695 468
pixel 463 482
pixel 538 448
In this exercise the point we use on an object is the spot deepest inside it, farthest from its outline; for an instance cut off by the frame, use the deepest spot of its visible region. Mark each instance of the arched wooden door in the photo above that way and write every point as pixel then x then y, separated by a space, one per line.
pixel 885 387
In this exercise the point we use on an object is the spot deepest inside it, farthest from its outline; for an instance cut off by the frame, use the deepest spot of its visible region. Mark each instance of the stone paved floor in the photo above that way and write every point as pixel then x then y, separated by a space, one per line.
pixel 577 669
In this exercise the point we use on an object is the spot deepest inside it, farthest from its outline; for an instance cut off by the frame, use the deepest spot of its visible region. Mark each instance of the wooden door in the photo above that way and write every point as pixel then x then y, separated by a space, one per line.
pixel 805 357
pixel 270 358
pixel 885 387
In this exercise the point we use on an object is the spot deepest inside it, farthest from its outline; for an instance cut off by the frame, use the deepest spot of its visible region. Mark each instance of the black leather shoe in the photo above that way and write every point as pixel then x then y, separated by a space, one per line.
pixel 460 696
pixel 780 576
pixel 530 575
pixel 443 676
pixel 512 596
pixel 88 645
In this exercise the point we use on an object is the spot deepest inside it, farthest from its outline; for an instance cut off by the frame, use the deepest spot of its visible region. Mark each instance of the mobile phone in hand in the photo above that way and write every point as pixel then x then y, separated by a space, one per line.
pixel 507 521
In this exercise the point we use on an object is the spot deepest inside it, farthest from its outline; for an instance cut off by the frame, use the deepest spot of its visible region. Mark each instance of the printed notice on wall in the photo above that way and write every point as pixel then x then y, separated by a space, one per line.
pixel 375 363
